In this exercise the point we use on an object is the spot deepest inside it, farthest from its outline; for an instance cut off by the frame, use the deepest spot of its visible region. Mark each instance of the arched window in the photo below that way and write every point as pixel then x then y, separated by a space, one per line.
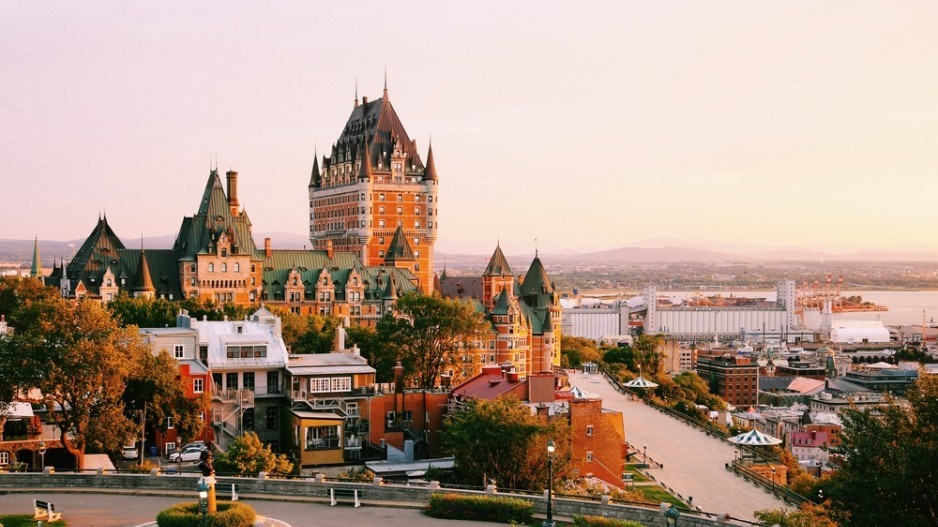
pixel 237 267
pixel 211 267
pixel 224 267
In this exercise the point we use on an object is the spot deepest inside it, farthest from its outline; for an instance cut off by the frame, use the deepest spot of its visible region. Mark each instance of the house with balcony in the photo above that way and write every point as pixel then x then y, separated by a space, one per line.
pixel 327 396
pixel 246 359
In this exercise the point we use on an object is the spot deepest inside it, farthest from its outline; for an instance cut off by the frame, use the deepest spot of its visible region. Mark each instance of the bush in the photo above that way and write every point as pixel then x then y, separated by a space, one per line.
pixel 230 514
pixel 602 521
pixel 479 508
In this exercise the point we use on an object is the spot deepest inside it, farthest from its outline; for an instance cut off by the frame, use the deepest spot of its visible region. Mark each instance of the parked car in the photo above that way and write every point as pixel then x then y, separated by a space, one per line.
pixel 129 452
pixel 187 454
pixel 195 444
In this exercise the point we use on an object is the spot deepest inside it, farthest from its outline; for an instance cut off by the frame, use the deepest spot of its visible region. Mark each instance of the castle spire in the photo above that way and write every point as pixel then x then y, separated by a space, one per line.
pixel 314 178
pixel 36 270
pixel 356 92
pixel 385 99
pixel 430 172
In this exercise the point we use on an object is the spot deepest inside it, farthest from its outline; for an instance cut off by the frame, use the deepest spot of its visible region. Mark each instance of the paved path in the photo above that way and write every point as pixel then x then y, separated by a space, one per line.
pixel 693 461
pixel 123 510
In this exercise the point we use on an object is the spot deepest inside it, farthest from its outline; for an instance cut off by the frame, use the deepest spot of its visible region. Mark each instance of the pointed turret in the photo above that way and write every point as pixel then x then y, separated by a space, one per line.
pixel 399 249
pixel 315 178
pixel 390 292
pixel 364 171
pixel 547 326
pixel 503 305
pixel 536 281
pixel 144 285
pixel 430 174
pixel 498 264
pixel 35 271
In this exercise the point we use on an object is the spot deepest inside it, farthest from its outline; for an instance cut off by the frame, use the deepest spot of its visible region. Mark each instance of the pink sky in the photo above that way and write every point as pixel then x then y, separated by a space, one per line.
pixel 585 125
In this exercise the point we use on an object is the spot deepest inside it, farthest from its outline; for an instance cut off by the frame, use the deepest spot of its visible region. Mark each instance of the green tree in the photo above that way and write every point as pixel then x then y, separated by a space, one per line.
pixel 574 351
pixel 647 352
pixel 156 389
pixel 499 439
pixel 381 354
pixel 78 358
pixel 429 332
pixel 307 333
pixel 247 455
pixel 143 312
pixel 889 472
pixel 810 515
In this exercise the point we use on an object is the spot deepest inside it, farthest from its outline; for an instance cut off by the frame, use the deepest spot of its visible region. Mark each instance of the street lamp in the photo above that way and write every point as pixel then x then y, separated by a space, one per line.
pixel 42 453
pixel 820 495
pixel 203 499
pixel 735 454
pixel 645 454
pixel 773 480
pixel 549 522
pixel 671 515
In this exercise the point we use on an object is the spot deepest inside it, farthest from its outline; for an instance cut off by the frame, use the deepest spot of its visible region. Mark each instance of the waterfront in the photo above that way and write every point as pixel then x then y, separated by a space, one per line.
pixel 905 307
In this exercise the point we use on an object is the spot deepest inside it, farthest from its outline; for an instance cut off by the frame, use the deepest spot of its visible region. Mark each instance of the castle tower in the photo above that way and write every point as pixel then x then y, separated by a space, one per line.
pixel 496 278
pixel 372 184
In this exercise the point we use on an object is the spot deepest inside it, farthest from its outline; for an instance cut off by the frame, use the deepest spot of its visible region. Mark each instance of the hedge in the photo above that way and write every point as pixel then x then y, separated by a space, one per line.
pixel 230 514
pixel 479 508
pixel 602 521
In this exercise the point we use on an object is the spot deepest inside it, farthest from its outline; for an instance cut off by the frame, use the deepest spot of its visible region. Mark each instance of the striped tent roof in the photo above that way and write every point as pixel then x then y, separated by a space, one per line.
pixel 754 438
pixel 640 382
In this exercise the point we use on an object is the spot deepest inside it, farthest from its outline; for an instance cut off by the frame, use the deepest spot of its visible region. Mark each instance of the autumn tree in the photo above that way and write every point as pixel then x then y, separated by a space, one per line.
pixel 246 454
pixel 574 351
pixel 429 333
pixel 889 469
pixel 156 391
pixel 499 439
pixel 79 360
pixel 647 352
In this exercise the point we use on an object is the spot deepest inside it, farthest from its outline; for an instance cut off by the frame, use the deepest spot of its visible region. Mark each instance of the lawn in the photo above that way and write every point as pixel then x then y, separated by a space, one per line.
pixel 25 520
pixel 656 494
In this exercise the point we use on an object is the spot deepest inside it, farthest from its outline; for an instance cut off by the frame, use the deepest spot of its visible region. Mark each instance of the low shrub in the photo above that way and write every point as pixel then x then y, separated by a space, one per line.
pixel 479 508
pixel 602 521
pixel 230 514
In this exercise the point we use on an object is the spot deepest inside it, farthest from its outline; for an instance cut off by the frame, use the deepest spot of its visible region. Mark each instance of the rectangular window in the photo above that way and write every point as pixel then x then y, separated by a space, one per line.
pixel 247 419
pixel 273 382
pixel 231 381
pixel 407 416
pixel 341 384
pixel 179 351
pixel 198 385
pixel 169 422
pixel 248 380
pixel 4 458
pixel 589 430
pixel 589 456
pixel 170 446
pixel 320 384
pixel 273 414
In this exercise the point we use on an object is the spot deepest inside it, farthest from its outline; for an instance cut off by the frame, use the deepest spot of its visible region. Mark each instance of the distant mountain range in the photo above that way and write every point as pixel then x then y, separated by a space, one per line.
pixel 657 250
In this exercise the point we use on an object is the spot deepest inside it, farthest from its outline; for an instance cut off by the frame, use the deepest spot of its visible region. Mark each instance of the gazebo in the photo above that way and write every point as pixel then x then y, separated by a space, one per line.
pixel 640 382
pixel 754 438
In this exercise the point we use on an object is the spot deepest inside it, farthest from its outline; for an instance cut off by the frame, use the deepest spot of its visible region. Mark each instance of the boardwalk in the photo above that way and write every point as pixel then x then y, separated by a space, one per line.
pixel 693 461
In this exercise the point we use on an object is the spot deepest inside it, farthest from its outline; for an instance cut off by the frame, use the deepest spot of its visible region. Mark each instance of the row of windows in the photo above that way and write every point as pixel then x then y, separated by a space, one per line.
pixel 330 384
pixel 211 268
pixel 246 352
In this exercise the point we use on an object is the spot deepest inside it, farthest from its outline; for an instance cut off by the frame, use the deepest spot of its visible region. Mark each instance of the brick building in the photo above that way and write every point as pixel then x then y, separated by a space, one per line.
pixel 734 378
pixel 374 196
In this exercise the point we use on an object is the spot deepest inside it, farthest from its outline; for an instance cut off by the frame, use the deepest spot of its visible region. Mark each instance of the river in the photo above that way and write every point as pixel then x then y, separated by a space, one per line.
pixel 905 307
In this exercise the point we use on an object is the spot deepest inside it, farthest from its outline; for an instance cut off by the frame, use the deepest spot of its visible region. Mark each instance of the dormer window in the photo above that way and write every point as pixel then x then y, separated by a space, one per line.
pixel 224 252
pixel 124 281
pixel 109 283
pixel 400 197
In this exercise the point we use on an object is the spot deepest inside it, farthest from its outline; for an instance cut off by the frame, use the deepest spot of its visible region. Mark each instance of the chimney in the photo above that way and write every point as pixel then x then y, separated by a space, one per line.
pixel 329 251
pixel 266 247
pixel 182 319
pixel 232 190
pixel 512 376
pixel 364 101
pixel 446 380
pixel 398 378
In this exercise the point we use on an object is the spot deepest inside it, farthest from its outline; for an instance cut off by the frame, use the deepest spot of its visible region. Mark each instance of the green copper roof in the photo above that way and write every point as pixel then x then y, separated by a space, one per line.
pixel 536 280
pixel 200 233
pixel 399 249
pixel 503 304
pixel 498 264
pixel 36 270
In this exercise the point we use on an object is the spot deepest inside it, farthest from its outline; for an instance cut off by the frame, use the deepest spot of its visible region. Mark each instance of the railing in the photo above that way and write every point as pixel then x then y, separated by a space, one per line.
pixel 788 495
pixel 316 488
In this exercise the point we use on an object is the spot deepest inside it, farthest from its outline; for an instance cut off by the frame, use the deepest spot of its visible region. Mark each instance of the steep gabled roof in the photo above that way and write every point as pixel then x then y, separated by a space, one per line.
pixel 99 250
pixel 377 123
pixel 314 177
pixel 536 280
pixel 144 282
pixel 503 305
pixel 498 264
pixel 198 234
pixel 430 173
pixel 400 248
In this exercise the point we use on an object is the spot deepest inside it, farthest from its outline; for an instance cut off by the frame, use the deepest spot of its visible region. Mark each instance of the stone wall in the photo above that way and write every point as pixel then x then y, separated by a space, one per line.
pixel 318 489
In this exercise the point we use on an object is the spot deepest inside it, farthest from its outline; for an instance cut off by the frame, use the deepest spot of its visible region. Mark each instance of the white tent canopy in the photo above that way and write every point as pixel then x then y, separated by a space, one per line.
pixel 754 438
pixel 640 382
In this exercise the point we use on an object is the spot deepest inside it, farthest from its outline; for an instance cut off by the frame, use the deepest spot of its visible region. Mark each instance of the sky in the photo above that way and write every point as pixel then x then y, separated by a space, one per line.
pixel 583 125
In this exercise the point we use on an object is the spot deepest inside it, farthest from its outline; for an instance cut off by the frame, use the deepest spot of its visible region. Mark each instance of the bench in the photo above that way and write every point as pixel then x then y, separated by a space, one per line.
pixel 336 494
pixel 45 511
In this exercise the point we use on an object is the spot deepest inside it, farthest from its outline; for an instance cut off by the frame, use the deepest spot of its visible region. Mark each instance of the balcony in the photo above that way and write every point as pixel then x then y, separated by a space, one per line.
pixel 323 443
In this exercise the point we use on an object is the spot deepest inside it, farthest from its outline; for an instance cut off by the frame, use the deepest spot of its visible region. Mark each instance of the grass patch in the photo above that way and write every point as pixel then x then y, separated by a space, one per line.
pixel 25 520
pixel 655 494
pixel 479 508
